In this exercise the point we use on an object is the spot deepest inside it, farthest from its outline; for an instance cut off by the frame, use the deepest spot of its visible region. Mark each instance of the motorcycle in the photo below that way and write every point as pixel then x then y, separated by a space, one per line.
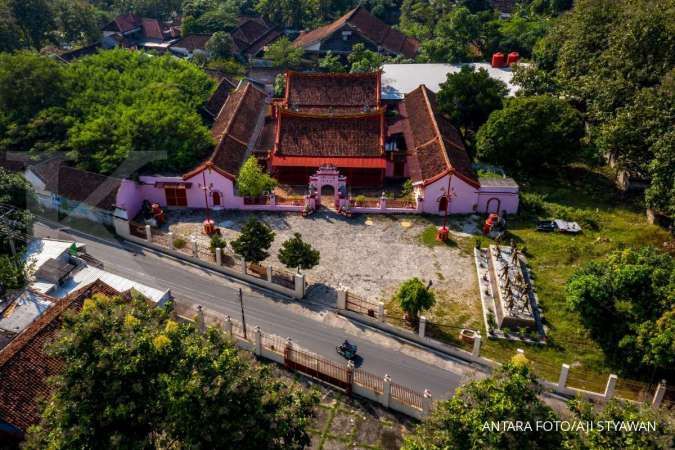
pixel 346 350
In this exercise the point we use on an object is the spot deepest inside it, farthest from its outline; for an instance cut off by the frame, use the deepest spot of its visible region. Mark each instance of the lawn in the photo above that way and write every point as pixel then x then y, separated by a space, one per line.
pixel 610 222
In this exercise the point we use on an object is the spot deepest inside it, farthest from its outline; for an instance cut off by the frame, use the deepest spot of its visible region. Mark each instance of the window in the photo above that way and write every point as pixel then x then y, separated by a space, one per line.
pixel 175 195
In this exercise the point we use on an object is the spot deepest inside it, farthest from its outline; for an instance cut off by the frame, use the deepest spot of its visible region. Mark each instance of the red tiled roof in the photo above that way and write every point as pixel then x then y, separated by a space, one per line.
pixel 355 135
pixel 370 28
pixel 192 42
pixel 24 365
pixel 78 185
pixel 233 129
pixel 339 92
pixel 437 147
pixel 152 29
pixel 252 34
pixel 216 101
pixel 124 23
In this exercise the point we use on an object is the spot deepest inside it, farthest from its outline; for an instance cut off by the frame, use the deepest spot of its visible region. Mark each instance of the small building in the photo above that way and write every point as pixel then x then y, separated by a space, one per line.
pixel 252 35
pixel 19 311
pixel 357 26
pixel 132 31
pixel 76 192
pixel 188 45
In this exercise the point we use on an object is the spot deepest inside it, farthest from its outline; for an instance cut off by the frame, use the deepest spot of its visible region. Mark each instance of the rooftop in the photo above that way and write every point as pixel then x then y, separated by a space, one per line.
pixel 332 92
pixel 370 27
pixel 399 79
pixel 23 310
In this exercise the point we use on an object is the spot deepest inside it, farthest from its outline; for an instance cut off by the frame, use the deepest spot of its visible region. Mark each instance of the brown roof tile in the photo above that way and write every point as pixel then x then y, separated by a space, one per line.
pixel 370 27
pixel 216 101
pixel 234 129
pixel 355 135
pixel 78 185
pixel 152 29
pixel 192 42
pixel 339 92
pixel 437 146
pixel 252 34
pixel 124 23
pixel 24 365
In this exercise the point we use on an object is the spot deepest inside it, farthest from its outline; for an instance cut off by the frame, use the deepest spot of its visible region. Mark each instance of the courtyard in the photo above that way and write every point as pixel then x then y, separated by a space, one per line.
pixel 370 255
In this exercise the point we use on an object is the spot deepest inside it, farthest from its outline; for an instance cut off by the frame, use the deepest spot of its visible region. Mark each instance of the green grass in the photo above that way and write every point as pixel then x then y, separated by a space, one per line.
pixel 428 238
pixel 553 258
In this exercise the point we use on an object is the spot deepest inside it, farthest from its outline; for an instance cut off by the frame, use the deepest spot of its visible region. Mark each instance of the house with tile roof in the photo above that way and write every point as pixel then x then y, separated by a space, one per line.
pixel 132 31
pixel 25 366
pixel 333 123
pixel 357 26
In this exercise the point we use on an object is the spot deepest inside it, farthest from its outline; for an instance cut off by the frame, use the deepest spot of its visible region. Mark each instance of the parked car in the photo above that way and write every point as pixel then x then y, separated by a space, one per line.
pixel 560 226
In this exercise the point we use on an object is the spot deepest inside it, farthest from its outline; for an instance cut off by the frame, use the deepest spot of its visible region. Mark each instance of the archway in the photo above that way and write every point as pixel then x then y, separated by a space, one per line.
pixel 443 204
pixel 327 196
pixel 493 202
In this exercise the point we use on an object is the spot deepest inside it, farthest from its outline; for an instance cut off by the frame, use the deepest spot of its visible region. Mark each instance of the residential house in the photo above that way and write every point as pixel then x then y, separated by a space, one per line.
pixel 132 31
pixel 252 35
pixel 357 26
pixel 76 192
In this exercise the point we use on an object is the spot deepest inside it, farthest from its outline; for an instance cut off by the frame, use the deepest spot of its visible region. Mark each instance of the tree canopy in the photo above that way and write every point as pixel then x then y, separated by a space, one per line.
pixel 134 378
pixel 510 394
pixel 296 253
pixel 18 194
pixel 255 239
pixel 469 96
pixel 282 53
pixel 106 108
pixel 220 45
pixel 252 181
pixel 414 297
pixel 530 133
pixel 627 301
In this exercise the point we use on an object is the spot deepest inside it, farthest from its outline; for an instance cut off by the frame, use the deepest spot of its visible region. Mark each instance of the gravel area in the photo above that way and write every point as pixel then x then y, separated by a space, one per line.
pixel 368 254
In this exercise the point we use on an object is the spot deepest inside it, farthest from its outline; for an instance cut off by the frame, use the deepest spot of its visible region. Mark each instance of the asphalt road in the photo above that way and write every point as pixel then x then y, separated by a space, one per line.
pixel 193 285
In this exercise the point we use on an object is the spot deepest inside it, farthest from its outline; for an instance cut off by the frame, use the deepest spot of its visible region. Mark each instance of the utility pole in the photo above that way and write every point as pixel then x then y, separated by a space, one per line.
pixel 243 317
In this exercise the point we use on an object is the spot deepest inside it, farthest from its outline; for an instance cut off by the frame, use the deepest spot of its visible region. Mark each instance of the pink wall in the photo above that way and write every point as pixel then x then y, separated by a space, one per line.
pixel 217 182
pixel 466 196
pixel 129 198
pixel 505 199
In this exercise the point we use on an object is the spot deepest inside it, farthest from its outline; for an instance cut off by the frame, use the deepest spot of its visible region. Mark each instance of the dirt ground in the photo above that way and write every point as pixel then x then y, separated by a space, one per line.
pixel 368 254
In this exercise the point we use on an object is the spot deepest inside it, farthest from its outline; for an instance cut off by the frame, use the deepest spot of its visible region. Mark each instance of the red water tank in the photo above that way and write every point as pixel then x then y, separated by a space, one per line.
pixel 513 58
pixel 498 60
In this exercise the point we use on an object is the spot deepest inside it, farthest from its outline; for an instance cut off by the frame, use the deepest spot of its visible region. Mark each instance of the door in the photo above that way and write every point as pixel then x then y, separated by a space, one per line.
pixel 493 205
pixel 328 196
pixel 216 198
pixel 399 168
pixel 443 204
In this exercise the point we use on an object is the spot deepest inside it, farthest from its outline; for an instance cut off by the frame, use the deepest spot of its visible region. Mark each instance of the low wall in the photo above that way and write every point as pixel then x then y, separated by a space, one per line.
pixel 273 208
pixel 297 293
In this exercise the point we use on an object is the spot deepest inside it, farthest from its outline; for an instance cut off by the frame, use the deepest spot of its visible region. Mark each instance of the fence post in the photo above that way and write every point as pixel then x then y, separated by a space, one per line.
pixel 386 390
pixel 476 346
pixel 169 237
pixel 341 299
pixel 380 311
pixel 195 253
pixel 219 256
pixel 258 341
pixel 611 385
pixel 201 324
pixel 148 233
pixel 299 285
pixel 422 330
pixel 228 325
pixel 658 395
pixel 383 201
pixel 427 402
pixel 350 377
pixel 269 273
pixel 564 372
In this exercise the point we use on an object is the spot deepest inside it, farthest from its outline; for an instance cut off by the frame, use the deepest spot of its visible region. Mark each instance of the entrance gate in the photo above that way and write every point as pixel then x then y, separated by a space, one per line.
pixel 327 182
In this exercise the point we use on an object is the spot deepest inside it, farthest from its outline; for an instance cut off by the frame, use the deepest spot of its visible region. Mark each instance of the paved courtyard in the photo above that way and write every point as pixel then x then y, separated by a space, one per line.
pixel 368 254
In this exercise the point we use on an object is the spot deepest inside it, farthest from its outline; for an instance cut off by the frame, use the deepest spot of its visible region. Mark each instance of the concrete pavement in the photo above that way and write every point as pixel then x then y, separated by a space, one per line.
pixel 310 325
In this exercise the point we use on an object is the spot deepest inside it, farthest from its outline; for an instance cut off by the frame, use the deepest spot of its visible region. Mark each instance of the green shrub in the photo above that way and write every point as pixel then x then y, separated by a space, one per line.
pixel 360 199
pixel 532 203
pixel 179 242
pixel 217 241
pixel 407 188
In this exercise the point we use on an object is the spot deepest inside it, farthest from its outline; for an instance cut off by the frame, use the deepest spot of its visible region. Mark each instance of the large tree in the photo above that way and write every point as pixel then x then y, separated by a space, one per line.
pixel 282 53
pixel 627 300
pixel 463 422
pixel 414 298
pixel 660 194
pixel 255 239
pixel 252 181
pixel 16 222
pixel 134 378
pixel 220 45
pixel 469 97
pixel 531 132
pixel 105 109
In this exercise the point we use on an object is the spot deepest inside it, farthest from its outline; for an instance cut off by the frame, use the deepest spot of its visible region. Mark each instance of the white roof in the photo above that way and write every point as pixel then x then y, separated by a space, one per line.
pixel 400 79
pixel 88 275
pixel 23 311
pixel 41 250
